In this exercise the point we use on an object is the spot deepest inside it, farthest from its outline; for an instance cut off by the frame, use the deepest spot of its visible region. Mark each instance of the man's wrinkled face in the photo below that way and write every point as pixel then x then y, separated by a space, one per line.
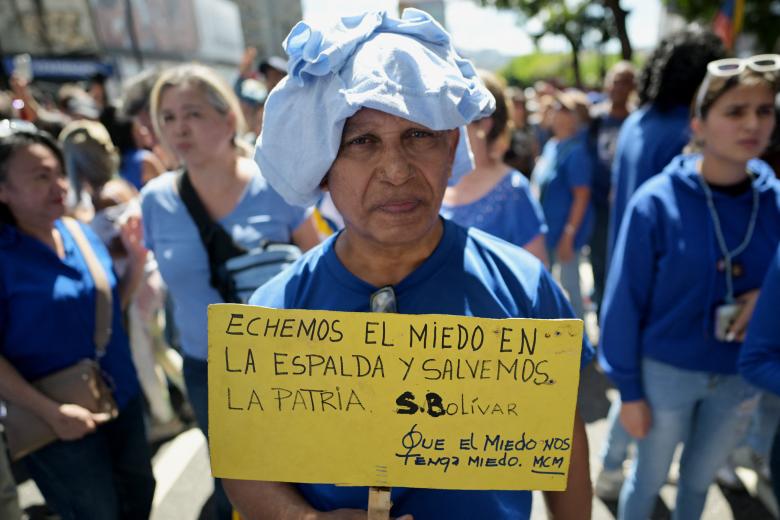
pixel 389 177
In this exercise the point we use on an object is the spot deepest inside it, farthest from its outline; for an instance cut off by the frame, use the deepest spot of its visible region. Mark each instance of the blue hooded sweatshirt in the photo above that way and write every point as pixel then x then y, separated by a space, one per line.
pixel 759 361
pixel 648 140
pixel 664 284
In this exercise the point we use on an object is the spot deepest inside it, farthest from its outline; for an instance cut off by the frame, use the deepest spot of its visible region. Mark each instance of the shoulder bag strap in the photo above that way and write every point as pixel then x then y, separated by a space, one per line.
pixel 218 243
pixel 103 296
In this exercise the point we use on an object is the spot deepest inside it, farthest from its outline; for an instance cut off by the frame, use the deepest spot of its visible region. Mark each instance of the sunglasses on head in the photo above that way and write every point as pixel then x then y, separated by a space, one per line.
pixel 734 66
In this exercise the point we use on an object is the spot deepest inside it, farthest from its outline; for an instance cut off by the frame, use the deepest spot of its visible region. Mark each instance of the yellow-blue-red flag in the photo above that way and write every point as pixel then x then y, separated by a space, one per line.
pixel 728 21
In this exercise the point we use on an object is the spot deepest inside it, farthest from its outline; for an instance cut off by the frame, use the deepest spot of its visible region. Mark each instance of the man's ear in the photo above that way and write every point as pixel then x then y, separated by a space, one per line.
pixel 453 144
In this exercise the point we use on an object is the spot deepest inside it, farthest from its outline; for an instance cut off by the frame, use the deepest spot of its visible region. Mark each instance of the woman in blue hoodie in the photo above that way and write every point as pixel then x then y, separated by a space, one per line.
pixel 690 256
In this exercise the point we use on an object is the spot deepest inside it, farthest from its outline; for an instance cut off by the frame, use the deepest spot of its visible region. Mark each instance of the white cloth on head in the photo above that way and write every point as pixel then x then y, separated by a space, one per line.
pixel 406 67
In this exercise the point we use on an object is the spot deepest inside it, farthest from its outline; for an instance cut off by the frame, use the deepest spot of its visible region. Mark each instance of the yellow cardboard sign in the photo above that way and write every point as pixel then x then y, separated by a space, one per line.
pixel 427 401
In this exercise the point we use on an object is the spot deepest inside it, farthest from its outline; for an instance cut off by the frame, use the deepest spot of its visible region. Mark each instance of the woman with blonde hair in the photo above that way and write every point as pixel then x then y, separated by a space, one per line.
pixel 198 117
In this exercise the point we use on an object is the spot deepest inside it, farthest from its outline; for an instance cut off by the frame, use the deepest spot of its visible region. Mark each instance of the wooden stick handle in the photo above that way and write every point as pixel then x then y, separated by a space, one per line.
pixel 379 503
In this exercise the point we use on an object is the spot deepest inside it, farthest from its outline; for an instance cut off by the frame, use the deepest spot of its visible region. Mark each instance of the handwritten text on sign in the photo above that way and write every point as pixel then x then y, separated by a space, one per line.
pixel 391 399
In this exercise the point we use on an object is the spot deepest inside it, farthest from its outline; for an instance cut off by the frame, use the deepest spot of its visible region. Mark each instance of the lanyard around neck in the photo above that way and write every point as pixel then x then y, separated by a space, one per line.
pixel 728 255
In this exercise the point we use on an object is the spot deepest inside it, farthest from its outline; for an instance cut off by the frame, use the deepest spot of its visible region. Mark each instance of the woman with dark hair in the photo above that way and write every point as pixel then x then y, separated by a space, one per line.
pixel 687 267
pixel 98 469
pixel 494 197
pixel 656 132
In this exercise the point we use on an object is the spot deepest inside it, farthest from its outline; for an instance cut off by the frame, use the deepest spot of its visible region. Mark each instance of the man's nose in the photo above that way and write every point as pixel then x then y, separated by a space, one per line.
pixel 395 166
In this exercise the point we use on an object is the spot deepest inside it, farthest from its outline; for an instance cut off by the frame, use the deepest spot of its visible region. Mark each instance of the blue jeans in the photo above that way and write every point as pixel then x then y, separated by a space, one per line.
pixel 103 476
pixel 709 413
pixel 614 450
pixel 568 275
pixel 764 424
pixel 196 379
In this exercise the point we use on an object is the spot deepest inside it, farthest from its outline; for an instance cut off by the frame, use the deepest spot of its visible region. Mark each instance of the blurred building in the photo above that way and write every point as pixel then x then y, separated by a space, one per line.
pixel 74 39
pixel 266 23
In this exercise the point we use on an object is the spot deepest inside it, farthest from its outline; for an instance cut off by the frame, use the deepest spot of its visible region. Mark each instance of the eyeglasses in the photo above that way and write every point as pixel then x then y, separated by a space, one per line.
pixel 9 127
pixel 734 66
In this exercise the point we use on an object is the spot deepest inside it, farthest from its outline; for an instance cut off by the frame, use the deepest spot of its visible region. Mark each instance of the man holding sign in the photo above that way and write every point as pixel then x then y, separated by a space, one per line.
pixel 373 111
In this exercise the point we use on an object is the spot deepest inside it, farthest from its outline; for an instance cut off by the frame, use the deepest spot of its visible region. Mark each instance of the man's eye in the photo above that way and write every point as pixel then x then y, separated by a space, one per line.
pixel 359 140
pixel 167 118
pixel 420 133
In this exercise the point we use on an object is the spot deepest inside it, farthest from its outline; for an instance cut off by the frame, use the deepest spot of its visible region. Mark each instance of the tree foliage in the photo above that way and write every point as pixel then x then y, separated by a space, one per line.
pixel 580 23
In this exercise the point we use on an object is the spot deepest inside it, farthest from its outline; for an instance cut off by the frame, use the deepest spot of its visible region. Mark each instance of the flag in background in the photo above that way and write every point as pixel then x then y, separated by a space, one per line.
pixel 728 21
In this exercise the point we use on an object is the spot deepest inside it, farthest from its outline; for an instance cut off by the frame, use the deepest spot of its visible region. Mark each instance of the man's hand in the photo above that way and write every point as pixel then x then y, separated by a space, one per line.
pixel 636 418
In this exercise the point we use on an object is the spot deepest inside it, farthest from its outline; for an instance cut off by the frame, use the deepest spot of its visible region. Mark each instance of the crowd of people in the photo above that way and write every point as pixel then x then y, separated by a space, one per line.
pixel 428 177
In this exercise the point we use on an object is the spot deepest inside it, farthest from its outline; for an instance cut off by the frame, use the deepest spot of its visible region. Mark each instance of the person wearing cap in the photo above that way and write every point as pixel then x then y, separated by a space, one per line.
pixel 373 111
pixel 563 174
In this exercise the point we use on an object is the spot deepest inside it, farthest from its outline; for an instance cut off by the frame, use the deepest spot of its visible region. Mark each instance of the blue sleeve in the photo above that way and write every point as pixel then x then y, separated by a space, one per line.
pixel 626 298
pixel 578 167
pixel 759 360
pixel 551 303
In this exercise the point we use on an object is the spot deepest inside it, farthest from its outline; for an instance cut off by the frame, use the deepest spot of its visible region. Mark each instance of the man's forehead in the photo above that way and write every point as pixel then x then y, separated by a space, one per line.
pixel 366 118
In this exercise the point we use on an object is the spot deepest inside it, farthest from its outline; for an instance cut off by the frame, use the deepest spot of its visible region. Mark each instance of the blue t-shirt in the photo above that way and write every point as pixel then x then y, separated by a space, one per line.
pixel 470 273
pixel 508 211
pixel 564 165
pixel 47 310
pixel 759 361
pixel 169 231
pixel 602 142
pixel 648 140
pixel 664 282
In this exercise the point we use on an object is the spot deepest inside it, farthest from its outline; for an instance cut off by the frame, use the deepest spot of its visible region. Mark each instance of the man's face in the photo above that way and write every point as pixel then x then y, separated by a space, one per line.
pixel 389 177
pixel 622 86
